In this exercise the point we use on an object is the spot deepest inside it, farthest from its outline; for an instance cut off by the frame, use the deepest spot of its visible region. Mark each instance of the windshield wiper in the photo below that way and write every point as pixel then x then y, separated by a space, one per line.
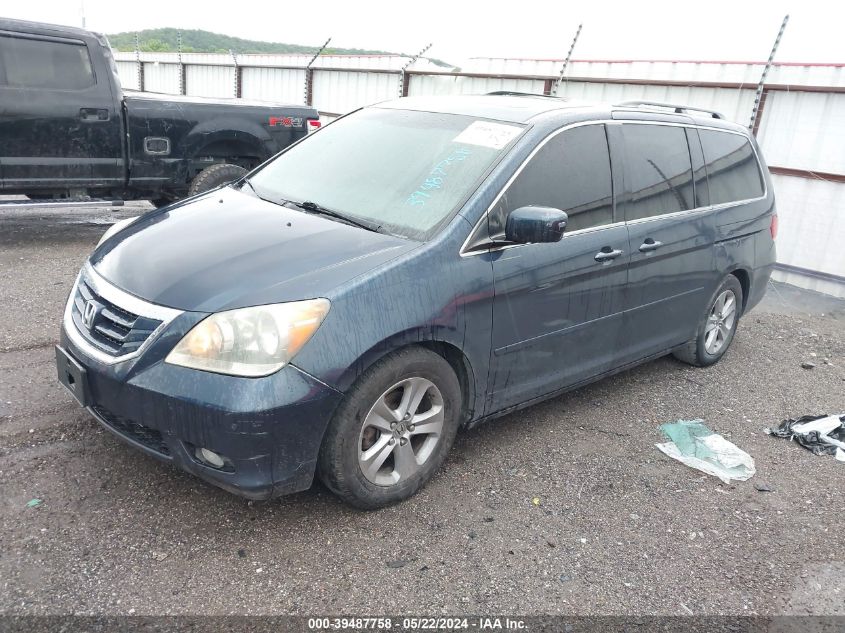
pixel 313 207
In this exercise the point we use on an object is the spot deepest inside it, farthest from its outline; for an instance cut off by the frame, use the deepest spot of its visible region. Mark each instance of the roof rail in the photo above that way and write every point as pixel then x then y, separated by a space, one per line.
pixel 511 93
pixel 677 108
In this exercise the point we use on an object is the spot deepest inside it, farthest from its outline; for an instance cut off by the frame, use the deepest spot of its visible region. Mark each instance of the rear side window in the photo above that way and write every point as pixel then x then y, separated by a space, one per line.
pixel 571 172
pixel 658 170
pixel 732 168
pixel 33 63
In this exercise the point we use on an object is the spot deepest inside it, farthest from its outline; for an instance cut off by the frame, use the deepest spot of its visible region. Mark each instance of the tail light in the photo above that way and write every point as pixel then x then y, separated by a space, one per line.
pixel 773 227
pixel 313 125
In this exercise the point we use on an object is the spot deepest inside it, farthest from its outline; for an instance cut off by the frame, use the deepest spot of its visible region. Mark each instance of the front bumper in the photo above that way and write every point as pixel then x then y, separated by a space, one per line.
pixel 269 429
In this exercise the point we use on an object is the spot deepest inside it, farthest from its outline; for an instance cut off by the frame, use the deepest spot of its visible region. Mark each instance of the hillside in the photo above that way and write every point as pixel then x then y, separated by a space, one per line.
pixel 198 41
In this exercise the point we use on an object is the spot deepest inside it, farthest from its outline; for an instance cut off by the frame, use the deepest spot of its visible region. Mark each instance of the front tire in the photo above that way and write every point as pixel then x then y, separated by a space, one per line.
pixel 214 176
pixel 393 430
pixel 717 328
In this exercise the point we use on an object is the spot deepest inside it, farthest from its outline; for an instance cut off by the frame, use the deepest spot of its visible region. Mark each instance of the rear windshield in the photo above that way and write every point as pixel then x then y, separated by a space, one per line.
pixel 406 171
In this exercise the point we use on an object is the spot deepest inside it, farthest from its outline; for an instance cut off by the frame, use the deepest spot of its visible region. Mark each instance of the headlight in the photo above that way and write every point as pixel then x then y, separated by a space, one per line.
pixel 114 228
pixel 250 341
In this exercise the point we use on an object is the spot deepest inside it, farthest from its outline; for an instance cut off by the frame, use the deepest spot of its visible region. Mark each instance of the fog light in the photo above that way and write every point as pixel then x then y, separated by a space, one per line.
pixel 210 457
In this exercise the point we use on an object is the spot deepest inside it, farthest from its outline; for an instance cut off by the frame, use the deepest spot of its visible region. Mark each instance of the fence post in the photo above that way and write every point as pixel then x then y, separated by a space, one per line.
pixel 404 79
pixel 181 65
pixel 139 65
pixel 238 75
pixel 566 62
pixel 758 98
pixel 309 74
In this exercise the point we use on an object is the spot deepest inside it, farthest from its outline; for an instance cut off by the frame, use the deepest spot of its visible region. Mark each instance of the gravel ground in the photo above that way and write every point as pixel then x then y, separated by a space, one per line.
pixel 618 528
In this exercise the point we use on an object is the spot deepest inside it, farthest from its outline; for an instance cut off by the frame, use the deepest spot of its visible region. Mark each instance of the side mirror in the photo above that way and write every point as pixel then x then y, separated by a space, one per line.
pixel 532 225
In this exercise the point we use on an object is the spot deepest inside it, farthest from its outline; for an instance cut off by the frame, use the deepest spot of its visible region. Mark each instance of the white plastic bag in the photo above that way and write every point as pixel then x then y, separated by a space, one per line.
pixel 698 447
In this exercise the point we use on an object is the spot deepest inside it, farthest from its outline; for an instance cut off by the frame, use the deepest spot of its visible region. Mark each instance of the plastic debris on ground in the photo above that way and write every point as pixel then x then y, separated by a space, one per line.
pixel 32 503
pixel 821 434
pixel 698 447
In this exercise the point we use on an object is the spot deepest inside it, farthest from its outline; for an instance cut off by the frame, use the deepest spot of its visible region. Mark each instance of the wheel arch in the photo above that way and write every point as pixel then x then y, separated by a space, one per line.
pixel 439 342
pixel 744 278
pixel 244 141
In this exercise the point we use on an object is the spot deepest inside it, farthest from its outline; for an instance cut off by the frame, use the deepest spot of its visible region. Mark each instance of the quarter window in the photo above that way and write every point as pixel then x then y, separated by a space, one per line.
pixel 732 168
pixel 34 63
pixel 571 172
pixel 658 170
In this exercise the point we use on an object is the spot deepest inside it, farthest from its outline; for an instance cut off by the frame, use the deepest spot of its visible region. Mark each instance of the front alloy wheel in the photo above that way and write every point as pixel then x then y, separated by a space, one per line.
pixel 393 429
pixel 401 431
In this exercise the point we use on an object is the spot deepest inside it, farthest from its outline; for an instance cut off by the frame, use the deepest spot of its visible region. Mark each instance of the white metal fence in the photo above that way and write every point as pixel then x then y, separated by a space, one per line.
pixel 801 126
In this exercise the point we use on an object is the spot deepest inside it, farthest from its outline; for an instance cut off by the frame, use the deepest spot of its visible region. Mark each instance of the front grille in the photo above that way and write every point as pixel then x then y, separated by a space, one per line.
pixel 113 330
pixel 149 437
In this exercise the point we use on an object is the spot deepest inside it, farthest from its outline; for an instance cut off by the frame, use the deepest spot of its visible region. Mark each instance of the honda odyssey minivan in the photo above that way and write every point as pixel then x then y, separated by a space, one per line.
pixel 416 267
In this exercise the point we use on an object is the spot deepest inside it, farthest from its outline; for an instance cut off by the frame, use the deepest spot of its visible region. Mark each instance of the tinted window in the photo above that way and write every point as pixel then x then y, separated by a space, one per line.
pixel 658 169
pixel 732 169
pixel 32 63
pixel 572 173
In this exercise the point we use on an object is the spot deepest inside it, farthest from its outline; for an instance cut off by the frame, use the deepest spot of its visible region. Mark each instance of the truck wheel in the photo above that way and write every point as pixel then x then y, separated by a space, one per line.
pixel 717 328
pixel 392 431
pixel 214 176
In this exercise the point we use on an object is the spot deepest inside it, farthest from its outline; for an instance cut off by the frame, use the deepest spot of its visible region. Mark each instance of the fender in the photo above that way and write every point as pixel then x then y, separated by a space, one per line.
pixel 241 130
pixel 445 341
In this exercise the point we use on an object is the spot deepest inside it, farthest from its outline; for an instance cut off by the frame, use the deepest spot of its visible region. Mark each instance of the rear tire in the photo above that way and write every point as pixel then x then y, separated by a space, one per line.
pixel 214 176
pixel 393 430
pixel 717 327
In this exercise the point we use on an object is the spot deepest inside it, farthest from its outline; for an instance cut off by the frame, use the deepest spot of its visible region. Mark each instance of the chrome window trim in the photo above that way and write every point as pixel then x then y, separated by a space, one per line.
pixel 121 299
pixel 464 253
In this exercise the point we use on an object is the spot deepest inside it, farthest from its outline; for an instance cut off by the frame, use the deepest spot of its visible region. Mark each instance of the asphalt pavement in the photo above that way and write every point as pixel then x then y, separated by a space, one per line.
pixel 563 508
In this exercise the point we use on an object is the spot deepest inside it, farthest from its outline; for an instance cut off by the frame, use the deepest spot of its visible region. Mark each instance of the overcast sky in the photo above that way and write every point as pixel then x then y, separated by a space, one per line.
pixel 712 30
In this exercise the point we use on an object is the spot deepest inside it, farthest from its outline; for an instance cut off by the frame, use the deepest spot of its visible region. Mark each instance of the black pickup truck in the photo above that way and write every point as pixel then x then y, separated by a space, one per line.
pixel 68 129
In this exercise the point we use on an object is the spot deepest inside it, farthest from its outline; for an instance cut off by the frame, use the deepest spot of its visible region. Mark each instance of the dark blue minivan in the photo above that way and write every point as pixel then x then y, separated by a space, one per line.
pixel 415 267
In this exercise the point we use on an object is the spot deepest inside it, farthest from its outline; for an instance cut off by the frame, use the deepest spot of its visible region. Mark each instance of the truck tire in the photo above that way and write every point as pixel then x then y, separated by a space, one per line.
pixel 214 176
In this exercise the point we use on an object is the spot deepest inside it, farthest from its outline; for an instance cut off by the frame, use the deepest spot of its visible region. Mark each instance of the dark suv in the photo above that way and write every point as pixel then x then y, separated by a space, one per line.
pixel 415 267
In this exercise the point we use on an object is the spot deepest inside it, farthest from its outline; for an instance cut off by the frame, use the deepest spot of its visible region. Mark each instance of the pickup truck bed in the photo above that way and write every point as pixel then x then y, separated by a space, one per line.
pixel 69 129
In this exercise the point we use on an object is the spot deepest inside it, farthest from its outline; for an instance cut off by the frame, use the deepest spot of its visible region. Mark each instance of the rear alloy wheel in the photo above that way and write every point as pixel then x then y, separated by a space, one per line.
pixel 393 430
pixel 720 324
pixel 716 332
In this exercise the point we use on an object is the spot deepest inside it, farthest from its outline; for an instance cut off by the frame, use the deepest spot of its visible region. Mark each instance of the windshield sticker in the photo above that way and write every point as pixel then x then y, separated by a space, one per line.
pixel 436 177
pixel 487 134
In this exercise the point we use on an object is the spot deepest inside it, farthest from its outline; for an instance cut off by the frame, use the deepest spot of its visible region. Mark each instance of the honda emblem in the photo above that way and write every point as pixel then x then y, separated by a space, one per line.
pixel 89 313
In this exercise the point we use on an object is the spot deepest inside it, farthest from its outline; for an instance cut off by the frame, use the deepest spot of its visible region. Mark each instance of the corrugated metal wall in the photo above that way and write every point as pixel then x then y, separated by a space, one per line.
pixel 340 92
pixel 802 125
pixel 161 77
pixel 812 231
pixel 421 85
pixel 128 73
pixel 274 84
pixel 210 81
pixel 805 130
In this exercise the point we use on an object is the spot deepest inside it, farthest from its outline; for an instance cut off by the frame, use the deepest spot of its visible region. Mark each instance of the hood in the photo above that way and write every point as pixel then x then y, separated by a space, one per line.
pixel 228 249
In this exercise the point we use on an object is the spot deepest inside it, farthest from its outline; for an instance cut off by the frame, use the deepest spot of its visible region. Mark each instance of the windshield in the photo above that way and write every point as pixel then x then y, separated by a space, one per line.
pixel 402 170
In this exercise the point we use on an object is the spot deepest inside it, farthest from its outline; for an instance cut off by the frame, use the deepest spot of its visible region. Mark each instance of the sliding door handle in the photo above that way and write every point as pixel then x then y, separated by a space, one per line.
pixel 650 245
pixel 606 254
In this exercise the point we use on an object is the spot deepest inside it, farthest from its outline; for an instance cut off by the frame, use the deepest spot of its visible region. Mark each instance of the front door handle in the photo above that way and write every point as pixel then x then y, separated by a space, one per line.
pixel 607 254
pixel 650 245
pixel 93 114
